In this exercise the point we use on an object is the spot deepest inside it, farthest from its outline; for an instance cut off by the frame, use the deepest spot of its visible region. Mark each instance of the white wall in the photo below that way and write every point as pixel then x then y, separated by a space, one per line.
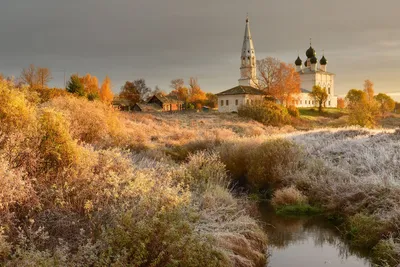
pixel 241 100
pixel 309 80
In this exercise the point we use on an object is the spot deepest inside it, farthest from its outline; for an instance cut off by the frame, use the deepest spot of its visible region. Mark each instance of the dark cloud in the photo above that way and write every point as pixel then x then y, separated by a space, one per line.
pixel 161 40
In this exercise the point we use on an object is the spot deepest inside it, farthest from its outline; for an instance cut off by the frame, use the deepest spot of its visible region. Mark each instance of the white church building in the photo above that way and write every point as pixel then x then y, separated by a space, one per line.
pixel 246 92
pixel 313 74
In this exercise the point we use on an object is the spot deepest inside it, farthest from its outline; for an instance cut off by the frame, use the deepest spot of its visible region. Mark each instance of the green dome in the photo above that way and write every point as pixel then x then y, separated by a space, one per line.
pixel 323 61
pixel 313 60
pixel 298 61
pixel 310 52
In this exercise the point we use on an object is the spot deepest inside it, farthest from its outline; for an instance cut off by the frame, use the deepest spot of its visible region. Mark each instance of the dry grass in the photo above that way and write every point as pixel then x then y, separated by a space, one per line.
pixel 288 196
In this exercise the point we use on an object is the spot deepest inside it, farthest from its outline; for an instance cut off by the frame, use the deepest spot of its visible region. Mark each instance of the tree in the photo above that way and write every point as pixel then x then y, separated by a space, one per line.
pixel 29 77
pixel 341 104
pixel 106 94
pixel 75 86
pixel 158 90
pixel 196 95
pixel 369 89
pixel 179 90
pixel 43 76
pixel 130 93
pixel 177 83
pixel 361 111
pixel 136 91
pixel 143 90
pixel 320 95
pixel 385 102
pixel 36 76
pixel 91 86
pixel 278 79
pixel 212 100
pixel 397 107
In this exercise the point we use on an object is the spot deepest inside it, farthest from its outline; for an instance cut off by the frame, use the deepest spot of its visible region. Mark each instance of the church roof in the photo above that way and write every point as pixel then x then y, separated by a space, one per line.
pixel 305 91
pixel 248 46
pixel 309 71
pixel 243 90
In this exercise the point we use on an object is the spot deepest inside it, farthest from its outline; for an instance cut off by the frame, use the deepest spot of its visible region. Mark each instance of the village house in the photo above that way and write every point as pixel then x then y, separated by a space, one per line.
pixel 159 103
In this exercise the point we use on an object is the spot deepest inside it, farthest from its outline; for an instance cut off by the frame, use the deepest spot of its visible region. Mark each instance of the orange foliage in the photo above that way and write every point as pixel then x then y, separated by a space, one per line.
pixel 106 95
pixel 196 95
pixel 90 84
pixel 279 79
pixel 341 103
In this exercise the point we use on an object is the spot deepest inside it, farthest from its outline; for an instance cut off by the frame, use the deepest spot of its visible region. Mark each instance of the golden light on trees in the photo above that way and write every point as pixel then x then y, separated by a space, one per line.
pixel 106 94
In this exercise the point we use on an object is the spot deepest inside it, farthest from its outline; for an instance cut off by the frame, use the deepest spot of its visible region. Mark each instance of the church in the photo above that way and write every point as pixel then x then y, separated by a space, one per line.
pixel 246 92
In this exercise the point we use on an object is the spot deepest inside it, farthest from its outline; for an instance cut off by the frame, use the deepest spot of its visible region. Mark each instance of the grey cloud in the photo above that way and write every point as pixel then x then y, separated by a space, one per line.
pixel 161 40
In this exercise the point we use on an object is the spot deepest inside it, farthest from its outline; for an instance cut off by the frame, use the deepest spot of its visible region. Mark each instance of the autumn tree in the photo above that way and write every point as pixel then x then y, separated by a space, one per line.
pixel 196 95
pixel 362 111
pixel 75 86
pixel 136 91
pixel 320 96
pixel 341 104
pixel 106 94
pixel 91 86
pixel 278 79
pixel 129 92
pixel 212 100
pixel 369 89
pixel 36 76
pixel 385 102
pixel 179 90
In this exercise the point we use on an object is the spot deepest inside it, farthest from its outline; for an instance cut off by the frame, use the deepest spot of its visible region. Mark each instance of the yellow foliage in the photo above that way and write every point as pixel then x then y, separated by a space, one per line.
pixel 106 95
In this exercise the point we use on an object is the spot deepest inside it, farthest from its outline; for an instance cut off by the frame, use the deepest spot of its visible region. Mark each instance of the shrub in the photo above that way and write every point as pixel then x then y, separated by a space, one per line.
pixel 288 196
pixel 91 121
pixel 268 113
pixel 385 254
pixel 16 113
pixel 57 146
pixel 293 111
pixel 271 162
pixel 364 231
pixel 14 188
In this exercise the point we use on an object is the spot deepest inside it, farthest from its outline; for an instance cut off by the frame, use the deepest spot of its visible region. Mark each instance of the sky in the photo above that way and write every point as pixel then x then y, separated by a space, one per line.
pixel 160 40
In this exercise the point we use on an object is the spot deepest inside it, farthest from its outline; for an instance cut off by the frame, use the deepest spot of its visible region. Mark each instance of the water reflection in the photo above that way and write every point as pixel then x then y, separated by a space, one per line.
pixel 307 242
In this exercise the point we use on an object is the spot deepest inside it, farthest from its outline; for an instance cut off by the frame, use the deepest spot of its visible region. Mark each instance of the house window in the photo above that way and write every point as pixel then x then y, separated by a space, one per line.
pixel 227 102
pixel 237 102
pixel 248 101
pixel 251 101
pixel 222 103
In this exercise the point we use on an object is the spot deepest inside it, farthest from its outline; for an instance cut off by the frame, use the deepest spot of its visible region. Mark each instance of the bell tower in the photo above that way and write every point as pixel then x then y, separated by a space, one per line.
pixel 248 67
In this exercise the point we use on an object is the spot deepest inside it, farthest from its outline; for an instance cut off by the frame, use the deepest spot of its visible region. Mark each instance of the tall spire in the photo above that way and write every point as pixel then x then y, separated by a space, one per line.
pixel 248 59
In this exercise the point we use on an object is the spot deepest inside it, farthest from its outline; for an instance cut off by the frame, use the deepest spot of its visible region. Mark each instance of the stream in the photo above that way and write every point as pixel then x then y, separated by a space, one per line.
pixel 307 241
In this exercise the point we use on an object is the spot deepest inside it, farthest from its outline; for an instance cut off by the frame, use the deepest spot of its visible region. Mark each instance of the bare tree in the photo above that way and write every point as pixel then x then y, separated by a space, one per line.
pixel 29 76
pixel 43 76
pixel 177 83
pixel 36 76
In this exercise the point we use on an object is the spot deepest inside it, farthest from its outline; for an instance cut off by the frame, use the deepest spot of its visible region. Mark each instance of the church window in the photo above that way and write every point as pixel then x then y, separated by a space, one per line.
pixel 227 102
pixel 329 90
pixel 237 102
pixel 301 102
pixel 329 103
pixel 222 103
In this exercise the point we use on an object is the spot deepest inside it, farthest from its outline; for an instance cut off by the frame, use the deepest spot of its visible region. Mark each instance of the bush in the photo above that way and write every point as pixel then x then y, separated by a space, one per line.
pixel 288 196
pixel 293 111
pixel 364 231
pixel 268 113
pixel 271 162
